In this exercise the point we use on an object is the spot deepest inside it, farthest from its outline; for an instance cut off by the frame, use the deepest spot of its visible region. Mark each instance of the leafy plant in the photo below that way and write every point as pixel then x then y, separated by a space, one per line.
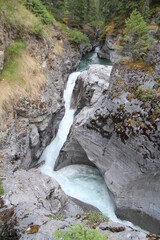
pixel 79 232
pixel 94 217
pixel 39 10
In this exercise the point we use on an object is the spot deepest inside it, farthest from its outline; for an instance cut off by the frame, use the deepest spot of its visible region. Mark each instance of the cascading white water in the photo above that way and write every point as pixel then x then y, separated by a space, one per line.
pixel 80 181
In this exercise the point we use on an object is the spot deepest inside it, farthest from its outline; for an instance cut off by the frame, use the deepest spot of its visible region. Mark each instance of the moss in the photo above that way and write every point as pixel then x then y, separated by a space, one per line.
pixel 137 65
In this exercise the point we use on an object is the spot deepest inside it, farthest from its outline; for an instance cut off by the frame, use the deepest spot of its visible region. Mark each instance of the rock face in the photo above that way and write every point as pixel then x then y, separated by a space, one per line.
pixel 30 125
pixel 119 132
pixel 34 198
pixel 108 51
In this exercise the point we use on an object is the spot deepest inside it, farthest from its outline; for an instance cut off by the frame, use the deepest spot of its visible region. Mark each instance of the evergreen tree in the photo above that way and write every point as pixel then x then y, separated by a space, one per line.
pixel 136 36
pixel 158 31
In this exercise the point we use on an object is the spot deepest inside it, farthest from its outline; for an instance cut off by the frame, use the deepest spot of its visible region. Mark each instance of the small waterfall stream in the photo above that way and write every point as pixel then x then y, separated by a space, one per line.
pixel 79 181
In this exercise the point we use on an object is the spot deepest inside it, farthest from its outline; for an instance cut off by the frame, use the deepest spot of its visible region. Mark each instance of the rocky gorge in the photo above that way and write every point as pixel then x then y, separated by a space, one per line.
pixel 115 129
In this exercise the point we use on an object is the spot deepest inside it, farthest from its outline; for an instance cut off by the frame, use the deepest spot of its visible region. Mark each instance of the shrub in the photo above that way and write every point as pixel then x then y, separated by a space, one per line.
pixel 39 10
pixel 144 94
pixel 37 29
pixel 76 36
pixel 94 217
pixel 136 36
pixel 79 232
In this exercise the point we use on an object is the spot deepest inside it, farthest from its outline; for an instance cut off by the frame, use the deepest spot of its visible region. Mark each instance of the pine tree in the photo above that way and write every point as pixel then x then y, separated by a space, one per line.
pixel 136 36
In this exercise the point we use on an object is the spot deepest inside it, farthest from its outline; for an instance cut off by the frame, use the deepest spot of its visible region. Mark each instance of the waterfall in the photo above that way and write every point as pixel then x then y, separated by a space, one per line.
pixel 79 181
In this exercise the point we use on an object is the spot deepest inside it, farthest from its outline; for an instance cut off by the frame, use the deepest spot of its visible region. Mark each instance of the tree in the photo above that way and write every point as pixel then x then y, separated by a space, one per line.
pixel 158 31
pixel 136 36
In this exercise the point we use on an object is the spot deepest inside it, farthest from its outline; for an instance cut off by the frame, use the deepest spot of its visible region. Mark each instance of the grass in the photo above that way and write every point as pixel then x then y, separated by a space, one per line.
pixel 58 48
pixel 21 76
pixel 11 64
pixel 13 13
pixel 1 189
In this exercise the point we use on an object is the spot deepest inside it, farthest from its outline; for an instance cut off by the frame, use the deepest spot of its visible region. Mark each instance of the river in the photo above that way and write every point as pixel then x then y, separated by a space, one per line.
pixel 79 181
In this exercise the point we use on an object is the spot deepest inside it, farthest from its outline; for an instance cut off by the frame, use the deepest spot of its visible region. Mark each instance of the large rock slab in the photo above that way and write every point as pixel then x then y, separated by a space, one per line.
pixel 31 199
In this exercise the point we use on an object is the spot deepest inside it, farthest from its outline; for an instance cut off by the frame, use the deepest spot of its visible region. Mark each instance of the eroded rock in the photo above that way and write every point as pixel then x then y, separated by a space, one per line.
pixel 119 133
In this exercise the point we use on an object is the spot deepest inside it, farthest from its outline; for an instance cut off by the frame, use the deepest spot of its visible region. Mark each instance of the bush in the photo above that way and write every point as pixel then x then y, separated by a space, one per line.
pixel 79 232
pixel 144 94
pixel 136 36
pixel 76 36
pixel 37 8
pixel 94 217
pixel 37 29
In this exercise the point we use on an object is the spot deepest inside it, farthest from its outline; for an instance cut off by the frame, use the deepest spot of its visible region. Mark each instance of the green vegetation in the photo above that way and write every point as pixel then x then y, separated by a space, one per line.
pixel 11 64
pixel 76 36
pixel 94 218
pixel 144 94
pixel 15 14
pixel 39 10
pixel 17 77
pixel 75 13
pixel 136 36
pixel 79 232
pixel 1 189
pixel 158 31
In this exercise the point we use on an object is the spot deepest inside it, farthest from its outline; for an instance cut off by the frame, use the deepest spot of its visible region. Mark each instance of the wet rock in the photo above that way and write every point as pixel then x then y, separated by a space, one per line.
pixel 120 136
